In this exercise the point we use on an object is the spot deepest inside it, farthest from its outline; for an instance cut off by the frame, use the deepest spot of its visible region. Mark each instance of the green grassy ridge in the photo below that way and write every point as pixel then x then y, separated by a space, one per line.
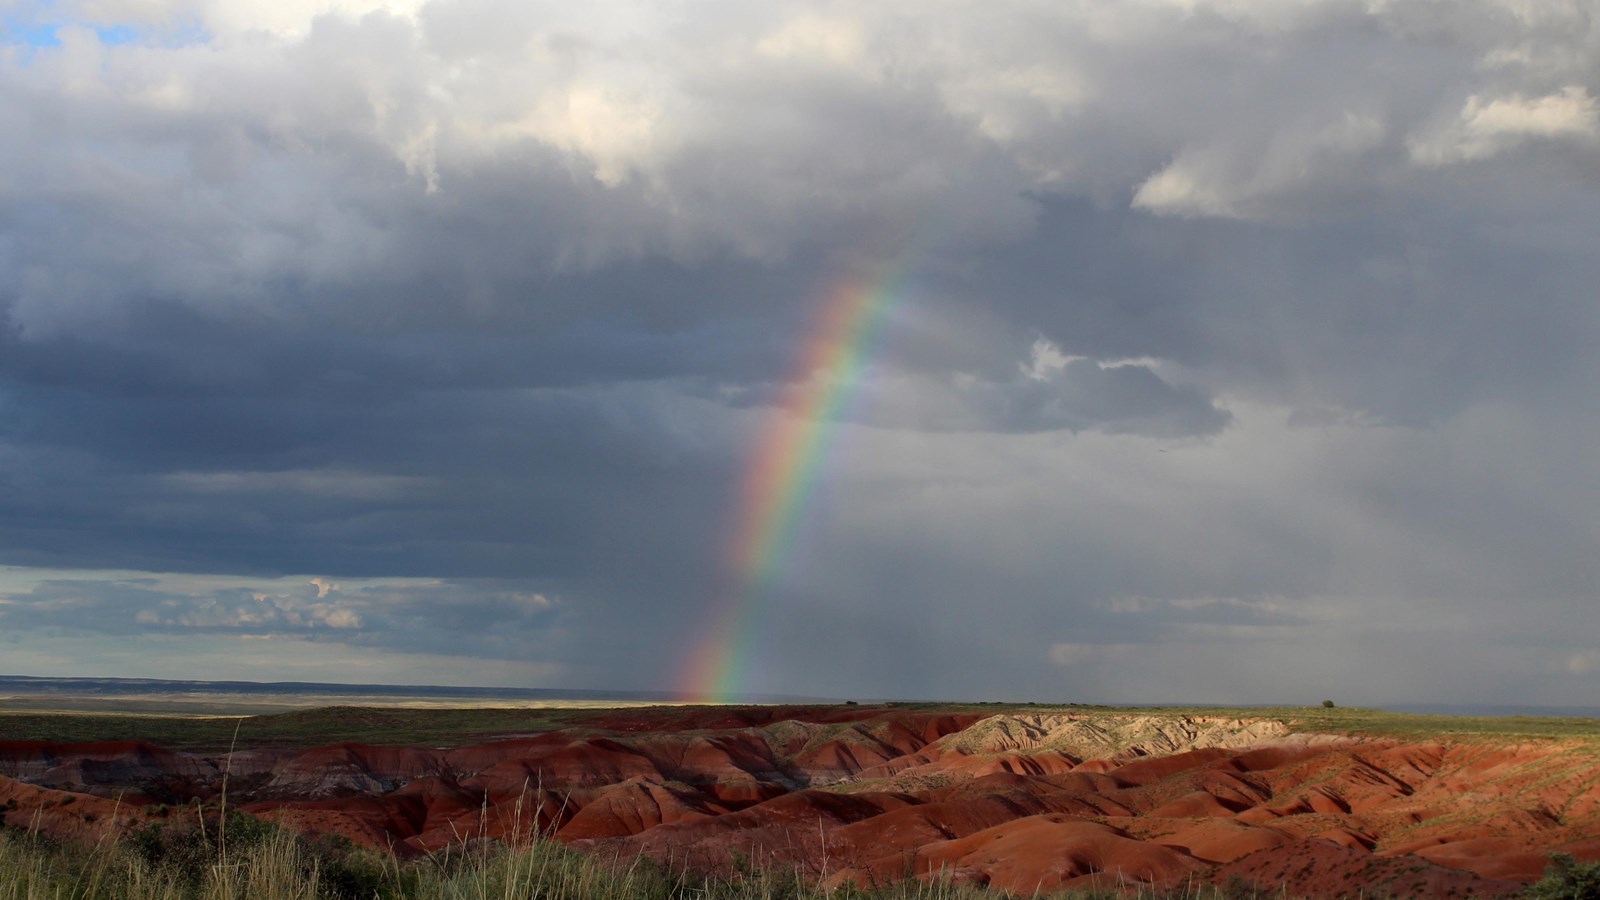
pixel 292 730
pixel 457 727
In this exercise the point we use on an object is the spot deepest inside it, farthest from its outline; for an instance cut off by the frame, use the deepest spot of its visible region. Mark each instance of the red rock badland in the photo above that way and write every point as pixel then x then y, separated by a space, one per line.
pixel 1020 802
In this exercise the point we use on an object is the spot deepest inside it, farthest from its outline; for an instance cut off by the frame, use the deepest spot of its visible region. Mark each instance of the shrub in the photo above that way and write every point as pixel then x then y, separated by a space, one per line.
pixel 346 871
pixel 187 850
pixel 1566 879
pixel 1327 704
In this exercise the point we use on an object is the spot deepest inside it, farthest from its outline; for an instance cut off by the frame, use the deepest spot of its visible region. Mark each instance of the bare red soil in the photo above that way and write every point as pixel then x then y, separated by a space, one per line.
pixel 868 795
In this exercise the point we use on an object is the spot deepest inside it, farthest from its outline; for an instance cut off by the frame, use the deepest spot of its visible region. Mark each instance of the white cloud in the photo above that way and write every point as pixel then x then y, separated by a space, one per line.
pixel 1242 182
pixel 1050 391
pixel 341 618
pixel 322 483
pixel 814 38
pixel 1487 127
pixel 1046 361
pixel 1178 190
pixel 1583 662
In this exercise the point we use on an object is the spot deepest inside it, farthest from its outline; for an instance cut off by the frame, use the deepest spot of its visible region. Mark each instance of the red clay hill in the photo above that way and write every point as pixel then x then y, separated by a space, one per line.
pixel 1021 800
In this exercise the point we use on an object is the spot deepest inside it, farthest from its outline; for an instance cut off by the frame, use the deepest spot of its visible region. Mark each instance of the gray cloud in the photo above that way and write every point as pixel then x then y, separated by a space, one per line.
pixel 476 619
pixel 1045 391
pixel 1254 332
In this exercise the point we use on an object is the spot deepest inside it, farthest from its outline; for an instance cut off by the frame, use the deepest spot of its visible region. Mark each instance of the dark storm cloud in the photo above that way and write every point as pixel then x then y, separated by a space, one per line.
pixel 1226 323
pixel 1407 316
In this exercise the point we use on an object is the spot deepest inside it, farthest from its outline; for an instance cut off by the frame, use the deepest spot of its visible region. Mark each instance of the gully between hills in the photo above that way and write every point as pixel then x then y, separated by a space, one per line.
pixel 869 795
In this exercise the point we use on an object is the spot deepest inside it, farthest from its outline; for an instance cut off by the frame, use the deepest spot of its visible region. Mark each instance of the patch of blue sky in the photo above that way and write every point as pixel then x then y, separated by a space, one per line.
pixel 17 33
pixel 115 35
pixel 36 27
pixel 30 24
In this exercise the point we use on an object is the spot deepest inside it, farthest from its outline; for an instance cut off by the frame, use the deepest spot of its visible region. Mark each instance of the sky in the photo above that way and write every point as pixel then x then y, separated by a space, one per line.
pixel 1236 351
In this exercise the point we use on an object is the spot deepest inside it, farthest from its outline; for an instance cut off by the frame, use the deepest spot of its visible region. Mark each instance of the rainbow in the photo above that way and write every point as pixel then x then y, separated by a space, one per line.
pixel 781 475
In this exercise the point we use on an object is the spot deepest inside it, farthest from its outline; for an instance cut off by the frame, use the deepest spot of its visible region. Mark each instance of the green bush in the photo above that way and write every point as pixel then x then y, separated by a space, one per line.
pixel 189 847
pixel 1566 879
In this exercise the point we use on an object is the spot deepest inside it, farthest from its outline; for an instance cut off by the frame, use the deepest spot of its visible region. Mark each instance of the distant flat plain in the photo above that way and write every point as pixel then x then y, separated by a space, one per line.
pixel 231 705
pixel 205 716
pixel 197 699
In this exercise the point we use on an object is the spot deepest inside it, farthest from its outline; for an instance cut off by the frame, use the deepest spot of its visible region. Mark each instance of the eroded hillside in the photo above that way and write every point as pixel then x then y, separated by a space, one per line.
pixel 1021 800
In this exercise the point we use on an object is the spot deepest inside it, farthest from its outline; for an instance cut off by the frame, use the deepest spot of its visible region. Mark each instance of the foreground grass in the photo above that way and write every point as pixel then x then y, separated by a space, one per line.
pixel 272 864
pixel 230 855
pixel 267 863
